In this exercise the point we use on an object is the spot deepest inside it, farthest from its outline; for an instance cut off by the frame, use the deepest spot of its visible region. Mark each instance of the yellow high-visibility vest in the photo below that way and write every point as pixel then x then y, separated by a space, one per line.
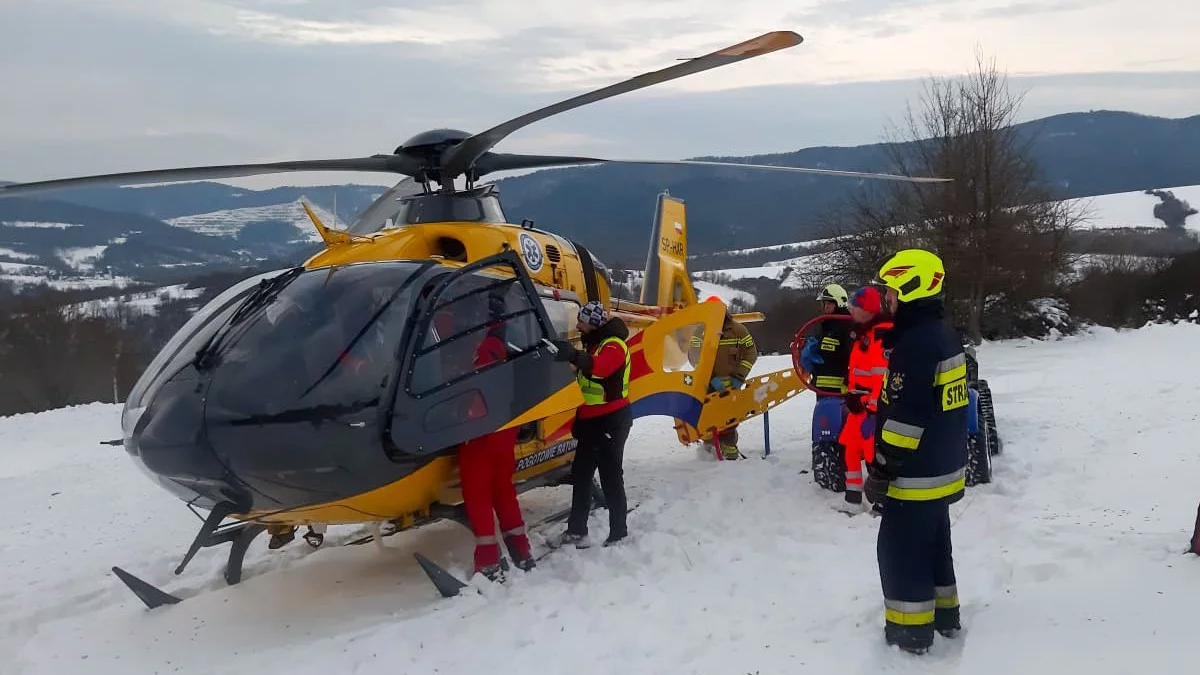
pixel 593 390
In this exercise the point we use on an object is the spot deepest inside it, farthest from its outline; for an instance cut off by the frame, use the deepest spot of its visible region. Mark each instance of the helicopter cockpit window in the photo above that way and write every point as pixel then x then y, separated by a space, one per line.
pixel 563 314
pixel 182 346
pixel 480 320
pixel 330 338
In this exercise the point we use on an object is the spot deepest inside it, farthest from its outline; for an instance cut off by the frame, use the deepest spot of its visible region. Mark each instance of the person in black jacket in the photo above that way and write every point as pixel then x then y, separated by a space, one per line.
pixel 920 454
pixel 826 358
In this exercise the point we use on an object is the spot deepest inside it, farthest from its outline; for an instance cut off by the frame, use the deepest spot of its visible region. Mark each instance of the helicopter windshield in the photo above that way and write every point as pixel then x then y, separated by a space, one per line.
pixel 328 342
pixel 182 346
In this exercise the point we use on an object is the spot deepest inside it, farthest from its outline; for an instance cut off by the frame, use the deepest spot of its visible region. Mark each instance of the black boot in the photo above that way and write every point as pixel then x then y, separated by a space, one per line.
pixel 912 639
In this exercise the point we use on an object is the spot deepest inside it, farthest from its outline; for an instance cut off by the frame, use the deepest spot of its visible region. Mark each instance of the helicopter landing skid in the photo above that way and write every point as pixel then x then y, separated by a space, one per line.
pixel 238 536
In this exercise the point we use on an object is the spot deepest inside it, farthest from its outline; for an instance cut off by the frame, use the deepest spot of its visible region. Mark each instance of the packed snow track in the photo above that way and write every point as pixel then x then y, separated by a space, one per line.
pixel 1070 561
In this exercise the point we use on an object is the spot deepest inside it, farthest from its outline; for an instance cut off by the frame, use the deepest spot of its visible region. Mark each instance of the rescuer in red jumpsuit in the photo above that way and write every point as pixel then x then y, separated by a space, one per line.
pixel 868 365
pixel 486 465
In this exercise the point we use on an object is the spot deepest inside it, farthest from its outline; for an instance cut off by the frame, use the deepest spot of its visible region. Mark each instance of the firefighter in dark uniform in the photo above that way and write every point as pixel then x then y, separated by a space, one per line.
pixel 920 454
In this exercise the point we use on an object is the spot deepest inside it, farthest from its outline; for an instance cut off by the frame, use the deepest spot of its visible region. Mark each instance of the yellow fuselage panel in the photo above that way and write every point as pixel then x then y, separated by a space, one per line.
pixel 548 260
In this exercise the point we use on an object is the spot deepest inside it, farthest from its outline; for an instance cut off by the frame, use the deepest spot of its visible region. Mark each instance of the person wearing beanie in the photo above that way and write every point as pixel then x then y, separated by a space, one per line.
pixel 602 423
pixel 868 364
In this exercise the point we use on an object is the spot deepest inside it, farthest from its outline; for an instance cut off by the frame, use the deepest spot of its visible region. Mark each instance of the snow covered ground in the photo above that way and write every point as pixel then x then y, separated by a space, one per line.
pixel 1069 562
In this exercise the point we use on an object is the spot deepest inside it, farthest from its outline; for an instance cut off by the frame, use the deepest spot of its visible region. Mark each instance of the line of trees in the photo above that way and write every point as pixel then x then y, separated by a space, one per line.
pixel 55 351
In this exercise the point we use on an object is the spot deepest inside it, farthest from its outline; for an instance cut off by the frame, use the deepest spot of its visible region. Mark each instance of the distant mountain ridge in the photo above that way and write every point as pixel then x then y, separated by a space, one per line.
pixel 1082 154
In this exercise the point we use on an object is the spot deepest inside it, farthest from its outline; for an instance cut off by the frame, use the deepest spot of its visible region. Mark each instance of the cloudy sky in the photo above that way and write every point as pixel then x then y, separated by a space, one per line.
pixel 114 85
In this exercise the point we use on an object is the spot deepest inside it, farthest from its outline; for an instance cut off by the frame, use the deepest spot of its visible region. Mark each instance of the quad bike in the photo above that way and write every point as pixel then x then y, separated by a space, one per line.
pixel 828 456
pixel 983 439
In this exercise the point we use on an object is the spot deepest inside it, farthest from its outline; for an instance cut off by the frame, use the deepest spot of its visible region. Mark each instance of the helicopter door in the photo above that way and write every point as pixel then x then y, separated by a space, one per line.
pixel 479 357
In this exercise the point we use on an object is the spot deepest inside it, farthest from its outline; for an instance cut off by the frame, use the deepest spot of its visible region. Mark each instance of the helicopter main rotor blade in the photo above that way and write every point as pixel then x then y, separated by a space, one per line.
pixel 379 163
pixel 457 159
pixel 492 162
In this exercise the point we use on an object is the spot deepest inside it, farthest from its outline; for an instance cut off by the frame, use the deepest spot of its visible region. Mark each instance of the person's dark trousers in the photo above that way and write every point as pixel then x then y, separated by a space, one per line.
pixel 916 570
pixel 601 448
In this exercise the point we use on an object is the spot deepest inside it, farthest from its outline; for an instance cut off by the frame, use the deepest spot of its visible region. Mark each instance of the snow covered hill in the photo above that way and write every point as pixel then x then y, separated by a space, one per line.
pixel 794 267
pixel 1135 209
pixel 1069 562
pixel 231 222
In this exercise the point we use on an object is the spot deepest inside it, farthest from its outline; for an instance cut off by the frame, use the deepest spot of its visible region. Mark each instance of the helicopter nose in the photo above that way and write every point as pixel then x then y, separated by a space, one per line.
pixel 168 440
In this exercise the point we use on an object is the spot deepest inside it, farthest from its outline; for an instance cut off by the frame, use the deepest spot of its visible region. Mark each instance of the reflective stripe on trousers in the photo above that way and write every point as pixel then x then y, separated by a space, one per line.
pixel 907 613
pixel 945 597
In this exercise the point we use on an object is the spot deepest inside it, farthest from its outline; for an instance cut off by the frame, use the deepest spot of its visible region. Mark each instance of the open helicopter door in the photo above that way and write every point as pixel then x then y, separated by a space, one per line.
pixel 478 357
pixel 672 360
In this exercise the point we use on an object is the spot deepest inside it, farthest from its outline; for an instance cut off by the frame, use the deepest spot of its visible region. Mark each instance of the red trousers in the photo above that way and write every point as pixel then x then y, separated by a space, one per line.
pixel 485 467
pixel 859 447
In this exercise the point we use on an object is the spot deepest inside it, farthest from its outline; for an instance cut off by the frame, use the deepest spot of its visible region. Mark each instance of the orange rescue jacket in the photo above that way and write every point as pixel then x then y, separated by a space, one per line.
pixel 868 363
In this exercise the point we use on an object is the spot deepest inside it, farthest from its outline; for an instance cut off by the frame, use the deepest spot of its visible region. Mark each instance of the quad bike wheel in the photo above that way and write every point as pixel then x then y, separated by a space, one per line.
pixel 829 466
pixel 988 414
pixel 979 458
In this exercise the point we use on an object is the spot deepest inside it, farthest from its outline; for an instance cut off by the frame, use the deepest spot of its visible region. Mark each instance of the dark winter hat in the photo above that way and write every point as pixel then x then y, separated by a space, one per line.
pixel 867 299
pixel 593 314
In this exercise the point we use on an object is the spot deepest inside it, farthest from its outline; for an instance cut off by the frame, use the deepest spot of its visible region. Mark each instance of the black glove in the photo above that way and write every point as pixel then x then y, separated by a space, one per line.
pixel 566 351
pixel 854 403
pixel 876 485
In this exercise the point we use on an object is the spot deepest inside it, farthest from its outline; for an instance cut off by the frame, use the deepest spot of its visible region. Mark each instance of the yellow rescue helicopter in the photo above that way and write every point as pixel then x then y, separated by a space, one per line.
pixel 336 392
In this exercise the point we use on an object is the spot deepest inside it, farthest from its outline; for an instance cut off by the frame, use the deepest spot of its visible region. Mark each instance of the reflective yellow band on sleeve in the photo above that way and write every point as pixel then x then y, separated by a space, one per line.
pixel 950 370
pixel 901 435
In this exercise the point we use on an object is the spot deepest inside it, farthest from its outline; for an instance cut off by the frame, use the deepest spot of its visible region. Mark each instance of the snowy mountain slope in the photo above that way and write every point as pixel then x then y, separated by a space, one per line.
pixel 1135 209
pixel 72 246
pixel 727 295
pixel 231 222
pixel 1070 561
pixel 795 269
pixel 142 302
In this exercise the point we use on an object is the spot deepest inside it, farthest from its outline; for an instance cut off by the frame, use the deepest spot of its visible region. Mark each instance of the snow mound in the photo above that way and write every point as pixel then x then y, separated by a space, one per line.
pixel 1070 561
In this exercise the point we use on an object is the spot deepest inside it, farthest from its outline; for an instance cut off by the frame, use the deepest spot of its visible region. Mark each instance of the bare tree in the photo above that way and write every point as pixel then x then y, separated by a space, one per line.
pixel 1001 232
